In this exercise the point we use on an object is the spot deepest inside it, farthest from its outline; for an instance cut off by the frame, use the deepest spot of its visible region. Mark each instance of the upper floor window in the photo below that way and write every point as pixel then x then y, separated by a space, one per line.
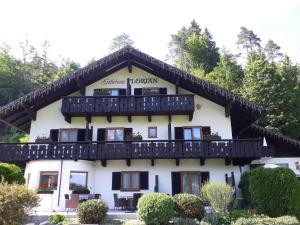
pixel 78 180
pixel 48 180
pixel 115 134
pixel 150 91
pixel 68 135
pixel 110 91
pixel 192 133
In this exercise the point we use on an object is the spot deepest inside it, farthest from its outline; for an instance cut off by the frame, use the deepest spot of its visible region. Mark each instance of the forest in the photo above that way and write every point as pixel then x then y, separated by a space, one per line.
pixel 261 74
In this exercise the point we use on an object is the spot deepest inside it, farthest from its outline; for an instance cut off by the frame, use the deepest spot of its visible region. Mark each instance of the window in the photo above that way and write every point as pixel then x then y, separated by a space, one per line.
pixel 130 181
pixel 48 180
pixel 192 133
pixel 68 135
pixel 190 182
pixel 109 91
pixel 78 180
pixel 152 132
pixel 115 134
pixel 150 91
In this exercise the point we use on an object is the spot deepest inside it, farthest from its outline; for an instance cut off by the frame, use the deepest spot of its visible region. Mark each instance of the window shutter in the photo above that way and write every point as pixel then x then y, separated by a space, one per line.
pixel 122 91
pixel 138 91
pixel 178 133
pixel 176 183
pixel 206 130
pixel 144 180
pixel 116 181
pixel 204 177
pixel 163 91
pixel 127 131
pixel 81 135
pixel 54 134
pixel 101 134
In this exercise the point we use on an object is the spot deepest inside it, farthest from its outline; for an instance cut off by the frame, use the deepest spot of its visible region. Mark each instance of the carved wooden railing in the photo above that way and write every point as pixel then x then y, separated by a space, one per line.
pixel 128 105
pixel 158 149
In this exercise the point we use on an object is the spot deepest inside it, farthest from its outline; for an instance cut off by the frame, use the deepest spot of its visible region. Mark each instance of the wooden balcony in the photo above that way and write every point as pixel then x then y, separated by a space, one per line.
pixel 160 149
pixel 128 105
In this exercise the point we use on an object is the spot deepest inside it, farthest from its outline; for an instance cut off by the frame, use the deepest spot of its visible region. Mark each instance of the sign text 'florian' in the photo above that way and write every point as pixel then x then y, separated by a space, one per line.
pixel 131 81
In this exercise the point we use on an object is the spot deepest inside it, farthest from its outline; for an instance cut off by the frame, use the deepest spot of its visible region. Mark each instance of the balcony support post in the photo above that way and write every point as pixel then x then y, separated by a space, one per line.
pixel 129 119
pixel 128 162
pixel 109 119
pixel 152 162
pixel 202 161
pixel 149 118
pixel 177 162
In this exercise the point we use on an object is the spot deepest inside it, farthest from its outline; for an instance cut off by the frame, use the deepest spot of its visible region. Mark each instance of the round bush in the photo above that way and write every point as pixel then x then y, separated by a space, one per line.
pixel 188 205
pixel 155 208
pixel 11 173
pixel 92 211
pixel 274 192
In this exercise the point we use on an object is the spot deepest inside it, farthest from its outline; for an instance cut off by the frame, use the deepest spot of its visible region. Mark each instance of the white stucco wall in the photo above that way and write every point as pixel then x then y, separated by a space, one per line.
pixel 100 178
pixel 209 114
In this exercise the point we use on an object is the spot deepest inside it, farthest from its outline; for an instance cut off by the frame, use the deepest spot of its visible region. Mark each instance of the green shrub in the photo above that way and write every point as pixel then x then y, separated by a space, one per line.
pixel 11 173
pixel 16 203
pixel 186 221
pixel 92 211
pixel 275 192
pixel 232 216
pixel 219 196
pixel 155 208
pixel 258 220
pixel 188 205
pixel 57 218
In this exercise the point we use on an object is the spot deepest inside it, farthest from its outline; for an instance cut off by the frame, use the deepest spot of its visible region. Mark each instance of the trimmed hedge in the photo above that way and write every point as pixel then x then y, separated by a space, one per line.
pixel 11 173
pixel 92 211
pixel 274 192
pixel 258 220
pixel 189 206
pixel 155 208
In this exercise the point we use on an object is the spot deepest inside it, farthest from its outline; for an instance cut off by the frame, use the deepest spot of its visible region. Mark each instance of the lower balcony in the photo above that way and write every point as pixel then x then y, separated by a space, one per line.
pixel 158 149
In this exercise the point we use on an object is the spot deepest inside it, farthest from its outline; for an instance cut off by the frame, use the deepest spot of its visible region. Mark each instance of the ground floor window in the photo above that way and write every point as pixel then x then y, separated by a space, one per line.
pixel 190 182
pixel 130 181
pixel 78 180
pixel 48 180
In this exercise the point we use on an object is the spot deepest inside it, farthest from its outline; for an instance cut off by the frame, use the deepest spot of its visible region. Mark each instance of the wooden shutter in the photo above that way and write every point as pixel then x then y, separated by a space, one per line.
pixel 54 134
pixel 163 91
pixel 179 133
pixel 81 135
pixel 127 131
pixel 101 134
pixel 204 177
pixel 176 183
pixel 122 91
pixel 206 130
pixel 144 180
pixel 116 181
pixel 138 91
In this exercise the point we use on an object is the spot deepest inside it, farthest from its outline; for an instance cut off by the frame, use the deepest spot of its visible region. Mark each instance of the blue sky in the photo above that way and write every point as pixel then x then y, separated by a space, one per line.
pixel 82 30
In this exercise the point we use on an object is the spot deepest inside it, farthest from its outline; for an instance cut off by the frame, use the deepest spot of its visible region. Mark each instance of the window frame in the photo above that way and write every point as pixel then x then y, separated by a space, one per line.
pixel 150 88
pixel 192 127
pixel 86 178
pixel 130 188
pixel 113 128
pixel 67 129
pixel 41 174
pixel 109 90
pixel 190 173
pixel 152 136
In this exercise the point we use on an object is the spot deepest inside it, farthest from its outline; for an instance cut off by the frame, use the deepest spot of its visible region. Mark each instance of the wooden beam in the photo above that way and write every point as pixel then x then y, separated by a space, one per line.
pixel 129 65
pixel 68 118
pixel 129 119
pixel 149 118
pixel 152 162
pixel 128 162
pixel 25 126
pixel 31 112
pixel 20 121
pixel 191 117
pixel 177 84
pixel 81 87
pixel 109 119
pixel 104 162
pixel 177 162
pixel 202 161
pixel 227 162
pixel 88 119
pixel 228 108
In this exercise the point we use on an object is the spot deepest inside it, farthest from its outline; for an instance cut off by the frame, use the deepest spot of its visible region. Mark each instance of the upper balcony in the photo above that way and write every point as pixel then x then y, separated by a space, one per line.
pixel 127 105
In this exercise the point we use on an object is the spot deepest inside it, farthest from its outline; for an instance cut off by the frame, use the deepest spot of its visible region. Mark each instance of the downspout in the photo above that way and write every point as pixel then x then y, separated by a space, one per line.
pixel 59 188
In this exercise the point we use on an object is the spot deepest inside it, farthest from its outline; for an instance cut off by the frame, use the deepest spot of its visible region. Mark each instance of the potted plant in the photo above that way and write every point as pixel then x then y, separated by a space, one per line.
pixel 133 136
pixel 80 190
pixel 212 137
pixel 44 189
pixel 43 139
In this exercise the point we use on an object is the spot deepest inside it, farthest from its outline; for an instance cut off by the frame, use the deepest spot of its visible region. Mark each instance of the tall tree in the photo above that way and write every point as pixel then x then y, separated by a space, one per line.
pixel 248 40
pixel 272 50
pixel 120 41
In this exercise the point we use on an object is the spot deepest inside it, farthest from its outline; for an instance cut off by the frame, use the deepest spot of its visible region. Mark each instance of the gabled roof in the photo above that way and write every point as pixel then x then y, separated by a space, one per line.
pixel 16 113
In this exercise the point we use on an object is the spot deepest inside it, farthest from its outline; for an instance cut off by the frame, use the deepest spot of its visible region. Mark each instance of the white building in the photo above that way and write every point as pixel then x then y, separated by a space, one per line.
pixel 129 123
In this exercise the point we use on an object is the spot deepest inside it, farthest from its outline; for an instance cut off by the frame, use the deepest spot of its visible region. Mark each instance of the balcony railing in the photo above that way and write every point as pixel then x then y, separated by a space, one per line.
pixel 159 149
pixel 128 105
